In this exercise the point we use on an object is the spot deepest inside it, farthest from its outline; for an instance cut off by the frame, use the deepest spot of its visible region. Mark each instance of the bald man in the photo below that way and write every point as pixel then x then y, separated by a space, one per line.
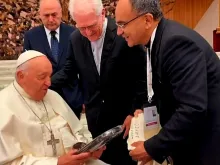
pixel 36 125
pixel 51 39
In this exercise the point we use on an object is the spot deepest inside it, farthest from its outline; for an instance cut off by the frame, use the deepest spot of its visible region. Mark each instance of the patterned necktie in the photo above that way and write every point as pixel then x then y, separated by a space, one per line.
pixel 54 45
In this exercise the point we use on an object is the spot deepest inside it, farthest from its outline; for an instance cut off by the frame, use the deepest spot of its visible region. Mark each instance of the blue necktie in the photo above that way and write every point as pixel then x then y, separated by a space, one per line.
pixel 54 45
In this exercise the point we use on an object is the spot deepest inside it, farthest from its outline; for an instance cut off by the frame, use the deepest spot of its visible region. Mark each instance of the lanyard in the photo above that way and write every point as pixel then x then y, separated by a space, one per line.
pixel 150 91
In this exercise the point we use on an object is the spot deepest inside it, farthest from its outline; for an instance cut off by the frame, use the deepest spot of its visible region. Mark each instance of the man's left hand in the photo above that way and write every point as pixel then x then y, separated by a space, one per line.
pixel 97 154
pixel 139 153
pixel 127 125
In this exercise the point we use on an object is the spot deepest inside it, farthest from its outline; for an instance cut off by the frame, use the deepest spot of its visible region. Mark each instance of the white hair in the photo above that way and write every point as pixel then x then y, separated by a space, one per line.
pixel 84 5
pixel 23 67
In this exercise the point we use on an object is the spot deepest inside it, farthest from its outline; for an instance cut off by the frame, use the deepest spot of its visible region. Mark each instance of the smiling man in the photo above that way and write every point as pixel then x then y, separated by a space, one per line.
pixel 183 84
pixel 113 75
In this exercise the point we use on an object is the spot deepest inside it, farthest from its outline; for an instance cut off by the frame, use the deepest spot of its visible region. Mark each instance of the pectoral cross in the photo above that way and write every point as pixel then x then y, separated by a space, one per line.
pixel 53 142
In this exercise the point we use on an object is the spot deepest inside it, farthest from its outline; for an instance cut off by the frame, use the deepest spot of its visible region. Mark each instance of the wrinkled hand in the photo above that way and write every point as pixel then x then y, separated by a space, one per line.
pixel 97 154
pixel 127 125
pixel 71 159
pixel 139 153
pixel 138 111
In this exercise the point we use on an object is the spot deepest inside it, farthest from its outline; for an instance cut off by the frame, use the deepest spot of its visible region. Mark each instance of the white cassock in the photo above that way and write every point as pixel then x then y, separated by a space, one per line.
pixel 24 138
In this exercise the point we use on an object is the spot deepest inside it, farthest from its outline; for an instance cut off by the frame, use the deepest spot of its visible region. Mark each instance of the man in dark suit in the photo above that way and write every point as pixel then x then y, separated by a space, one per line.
pixel 51 38
pixel 186 86
pixel 113 75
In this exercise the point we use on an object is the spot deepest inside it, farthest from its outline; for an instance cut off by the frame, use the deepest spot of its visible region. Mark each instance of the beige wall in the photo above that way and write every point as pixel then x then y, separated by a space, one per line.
pixel 209 22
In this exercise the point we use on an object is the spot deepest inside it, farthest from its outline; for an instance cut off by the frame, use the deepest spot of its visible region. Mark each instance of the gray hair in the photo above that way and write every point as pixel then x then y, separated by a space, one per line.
pixel 23 67
pixel 147 6
pixel 95 4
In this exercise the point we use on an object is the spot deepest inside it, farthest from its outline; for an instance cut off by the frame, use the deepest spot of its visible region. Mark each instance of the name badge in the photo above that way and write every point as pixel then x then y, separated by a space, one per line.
pixel 151 117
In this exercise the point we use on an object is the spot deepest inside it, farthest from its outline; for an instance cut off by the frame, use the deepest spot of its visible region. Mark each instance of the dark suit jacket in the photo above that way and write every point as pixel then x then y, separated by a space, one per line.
pixel 36 39
pixel 121 86
pixel 186 83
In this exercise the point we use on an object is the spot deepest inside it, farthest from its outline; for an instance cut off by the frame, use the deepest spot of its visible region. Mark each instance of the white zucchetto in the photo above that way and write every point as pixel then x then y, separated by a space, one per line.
pixel 28 55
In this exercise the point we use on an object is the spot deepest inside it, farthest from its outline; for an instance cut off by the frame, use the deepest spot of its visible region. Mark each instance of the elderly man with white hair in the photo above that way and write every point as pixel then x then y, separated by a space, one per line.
pixel 113 75
pixel 37 127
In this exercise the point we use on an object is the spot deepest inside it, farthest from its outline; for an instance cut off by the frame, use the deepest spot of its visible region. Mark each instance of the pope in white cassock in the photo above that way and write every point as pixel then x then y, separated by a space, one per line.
pixel 37 127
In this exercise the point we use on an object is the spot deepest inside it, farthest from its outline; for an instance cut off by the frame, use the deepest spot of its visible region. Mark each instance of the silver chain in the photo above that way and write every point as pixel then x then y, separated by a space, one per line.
pixel 50 130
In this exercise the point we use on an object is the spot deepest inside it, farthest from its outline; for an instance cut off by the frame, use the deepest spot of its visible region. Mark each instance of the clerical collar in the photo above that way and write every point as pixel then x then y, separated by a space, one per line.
pixel 21 90
pixel 150 42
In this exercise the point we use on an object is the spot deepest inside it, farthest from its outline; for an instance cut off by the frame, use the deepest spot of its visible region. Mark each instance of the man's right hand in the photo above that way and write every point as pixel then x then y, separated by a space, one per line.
pixel 71 159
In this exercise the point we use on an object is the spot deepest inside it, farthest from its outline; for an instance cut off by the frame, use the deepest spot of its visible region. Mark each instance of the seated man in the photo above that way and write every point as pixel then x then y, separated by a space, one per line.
pixel 37 127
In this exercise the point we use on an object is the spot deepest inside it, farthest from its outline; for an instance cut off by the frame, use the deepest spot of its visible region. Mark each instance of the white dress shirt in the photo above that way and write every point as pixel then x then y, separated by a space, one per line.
pixel 149 68
pixel 49 35
pixel 97 47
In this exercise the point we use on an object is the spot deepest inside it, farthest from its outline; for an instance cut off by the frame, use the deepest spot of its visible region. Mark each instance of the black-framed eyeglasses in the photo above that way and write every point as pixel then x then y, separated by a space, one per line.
pixel 122 25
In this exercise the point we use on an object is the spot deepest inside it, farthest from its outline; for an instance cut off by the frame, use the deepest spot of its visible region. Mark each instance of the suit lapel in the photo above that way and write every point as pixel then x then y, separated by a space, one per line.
pixel 107 45
pixel 157 42
pixel 88 52
pixel 106 50
pixel 157 60
pixel 46 46
pixel 62 41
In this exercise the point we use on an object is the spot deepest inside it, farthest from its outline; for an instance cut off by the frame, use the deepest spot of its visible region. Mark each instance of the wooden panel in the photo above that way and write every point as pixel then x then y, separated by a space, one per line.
pixel 219 13
pixel 168 8
pixel 187 12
